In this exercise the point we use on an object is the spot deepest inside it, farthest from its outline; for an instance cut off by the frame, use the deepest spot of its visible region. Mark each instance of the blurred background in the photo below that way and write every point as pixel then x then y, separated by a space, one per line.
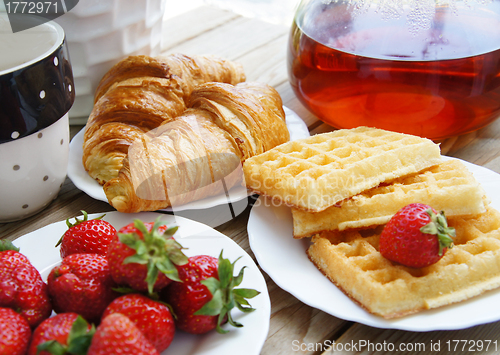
pixel 101 32
pixel 274 11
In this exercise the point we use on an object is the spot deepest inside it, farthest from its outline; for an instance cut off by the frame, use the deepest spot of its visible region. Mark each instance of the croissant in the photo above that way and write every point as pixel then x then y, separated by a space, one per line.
pixel 137 95
pixel 199 154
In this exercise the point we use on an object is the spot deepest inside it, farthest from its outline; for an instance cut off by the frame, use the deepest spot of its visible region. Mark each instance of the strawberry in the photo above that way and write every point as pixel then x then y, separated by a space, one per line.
pixel 131 228
pixel 86 236
pixel 153 318
pixel 117 334
pixel 15 332
pixel 65 333
pixel 416 236
pixel 206 295
pixel 82 284
pixel 144 259
pixel 21 286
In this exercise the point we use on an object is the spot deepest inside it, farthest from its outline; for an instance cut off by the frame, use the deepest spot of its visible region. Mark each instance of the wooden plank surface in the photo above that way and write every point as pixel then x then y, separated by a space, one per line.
pixel 295 328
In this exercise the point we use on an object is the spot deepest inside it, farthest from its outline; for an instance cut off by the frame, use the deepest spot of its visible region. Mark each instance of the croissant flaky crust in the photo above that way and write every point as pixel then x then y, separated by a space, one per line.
pixel 199 154
pixel 139 94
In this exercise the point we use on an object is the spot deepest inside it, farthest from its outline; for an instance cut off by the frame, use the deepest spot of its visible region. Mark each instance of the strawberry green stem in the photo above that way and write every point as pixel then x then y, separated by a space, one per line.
pixel 159 252
pixel 225 296
pixel 7 245
pixel 79 339
pixel 439 226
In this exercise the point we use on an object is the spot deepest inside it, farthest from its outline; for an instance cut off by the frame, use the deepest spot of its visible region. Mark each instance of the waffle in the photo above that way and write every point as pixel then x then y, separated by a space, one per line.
pixel 315 173
pixel 352 262
pixel 448 187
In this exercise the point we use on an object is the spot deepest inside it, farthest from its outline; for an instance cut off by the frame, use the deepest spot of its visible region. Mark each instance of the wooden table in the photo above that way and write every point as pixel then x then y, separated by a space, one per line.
pixel 261 48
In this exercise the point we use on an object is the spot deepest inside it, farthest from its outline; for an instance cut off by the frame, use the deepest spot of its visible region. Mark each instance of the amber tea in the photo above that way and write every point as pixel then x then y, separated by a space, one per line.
pixel 431 72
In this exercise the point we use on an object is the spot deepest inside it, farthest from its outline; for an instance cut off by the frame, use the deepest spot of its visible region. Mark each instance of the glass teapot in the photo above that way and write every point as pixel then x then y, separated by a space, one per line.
pixel 423 67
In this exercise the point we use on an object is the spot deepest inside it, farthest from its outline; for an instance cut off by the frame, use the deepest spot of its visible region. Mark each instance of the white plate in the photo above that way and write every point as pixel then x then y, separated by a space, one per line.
pixel 284 259
pixel 38 246
pixel 83 181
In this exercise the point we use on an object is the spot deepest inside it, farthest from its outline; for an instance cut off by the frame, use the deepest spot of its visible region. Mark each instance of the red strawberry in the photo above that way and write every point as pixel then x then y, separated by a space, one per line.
pixel 86 236
pixel 118 335
pixel 416 236
pixel 21 286
pixel 144 259
pixel 82 284
pixel 65 333
pixel 15 332
pixel 152 318
pixel 206 295
pixel 131 228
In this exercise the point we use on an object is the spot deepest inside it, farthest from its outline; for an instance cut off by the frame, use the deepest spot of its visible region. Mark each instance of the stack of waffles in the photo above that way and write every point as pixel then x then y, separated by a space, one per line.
pixel 343 187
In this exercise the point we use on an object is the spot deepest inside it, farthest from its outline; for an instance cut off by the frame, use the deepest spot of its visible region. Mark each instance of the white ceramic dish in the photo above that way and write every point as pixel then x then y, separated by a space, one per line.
pixel 38 246
pixel 84 182
pixel 284 259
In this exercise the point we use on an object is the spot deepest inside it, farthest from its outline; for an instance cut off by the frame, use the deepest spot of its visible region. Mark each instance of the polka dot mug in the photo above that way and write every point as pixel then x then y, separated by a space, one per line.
pixel 36 93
